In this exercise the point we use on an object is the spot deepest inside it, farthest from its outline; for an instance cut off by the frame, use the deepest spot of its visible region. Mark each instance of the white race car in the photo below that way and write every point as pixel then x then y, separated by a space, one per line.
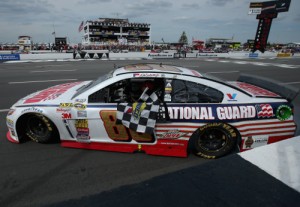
pixel 158 109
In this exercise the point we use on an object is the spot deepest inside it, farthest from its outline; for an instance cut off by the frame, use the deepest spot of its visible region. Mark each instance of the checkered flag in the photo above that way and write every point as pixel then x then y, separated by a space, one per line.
pixel 139 116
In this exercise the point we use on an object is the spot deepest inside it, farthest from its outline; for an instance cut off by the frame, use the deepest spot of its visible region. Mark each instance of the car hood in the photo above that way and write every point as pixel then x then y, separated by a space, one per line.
pixel 54 94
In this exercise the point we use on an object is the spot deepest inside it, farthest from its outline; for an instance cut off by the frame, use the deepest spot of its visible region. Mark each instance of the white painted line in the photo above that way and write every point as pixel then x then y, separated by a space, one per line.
pixel 241 62
pixel 290 83
pixel 285 66
pixel 17 61
pixel 281 160
pixel 45 71
pixel 233 71
pixel 260 64
pixel 42 81
pixel 4 110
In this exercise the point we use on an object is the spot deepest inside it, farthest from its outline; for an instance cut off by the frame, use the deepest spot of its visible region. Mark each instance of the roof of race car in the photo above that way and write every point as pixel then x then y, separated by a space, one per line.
pixel 155 68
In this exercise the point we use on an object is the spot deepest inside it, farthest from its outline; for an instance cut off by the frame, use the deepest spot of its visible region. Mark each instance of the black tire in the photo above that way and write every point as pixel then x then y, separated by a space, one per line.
pixel 214 140
pixel 40 129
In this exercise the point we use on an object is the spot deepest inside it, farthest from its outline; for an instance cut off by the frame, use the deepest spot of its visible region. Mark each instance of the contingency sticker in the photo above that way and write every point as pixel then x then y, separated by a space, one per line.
pixel 255 141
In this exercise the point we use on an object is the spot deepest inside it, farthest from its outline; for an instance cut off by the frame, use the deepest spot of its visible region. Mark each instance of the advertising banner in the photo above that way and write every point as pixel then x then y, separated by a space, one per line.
pixel 269 7
pixel 7 57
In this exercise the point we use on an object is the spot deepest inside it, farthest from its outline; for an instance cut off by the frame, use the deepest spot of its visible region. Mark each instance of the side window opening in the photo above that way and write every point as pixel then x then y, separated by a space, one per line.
pixel 127 91
pixel 190 92
pixel 114 93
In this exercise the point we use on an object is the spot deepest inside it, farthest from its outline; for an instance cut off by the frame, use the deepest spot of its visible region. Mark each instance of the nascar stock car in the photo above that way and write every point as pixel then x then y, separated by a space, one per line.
pixel 158 109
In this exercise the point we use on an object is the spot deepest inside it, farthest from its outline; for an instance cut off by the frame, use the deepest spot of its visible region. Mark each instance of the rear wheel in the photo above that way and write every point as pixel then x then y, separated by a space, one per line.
pixel 214 140
pixel 40 129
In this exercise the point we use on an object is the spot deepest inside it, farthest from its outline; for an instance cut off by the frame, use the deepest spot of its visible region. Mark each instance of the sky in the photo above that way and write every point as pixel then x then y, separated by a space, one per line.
pixel 200 19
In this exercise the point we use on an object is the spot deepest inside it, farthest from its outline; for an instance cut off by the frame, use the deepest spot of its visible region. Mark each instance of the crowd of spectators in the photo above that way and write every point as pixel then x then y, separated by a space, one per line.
pixel 134 48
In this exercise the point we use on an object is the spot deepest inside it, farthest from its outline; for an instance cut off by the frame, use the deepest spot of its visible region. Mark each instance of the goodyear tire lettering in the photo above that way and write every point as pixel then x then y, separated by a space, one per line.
pixel 214 140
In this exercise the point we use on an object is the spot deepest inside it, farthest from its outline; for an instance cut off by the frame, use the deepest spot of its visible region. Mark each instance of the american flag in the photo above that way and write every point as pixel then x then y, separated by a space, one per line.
pixel 264 110
pixel 80 27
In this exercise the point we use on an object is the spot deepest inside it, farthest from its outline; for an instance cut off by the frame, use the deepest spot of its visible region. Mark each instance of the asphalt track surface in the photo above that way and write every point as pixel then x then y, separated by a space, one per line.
pixel 34 174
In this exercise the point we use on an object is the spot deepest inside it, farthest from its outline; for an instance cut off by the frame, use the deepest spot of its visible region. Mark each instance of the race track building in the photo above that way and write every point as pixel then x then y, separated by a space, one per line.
pixel 110 31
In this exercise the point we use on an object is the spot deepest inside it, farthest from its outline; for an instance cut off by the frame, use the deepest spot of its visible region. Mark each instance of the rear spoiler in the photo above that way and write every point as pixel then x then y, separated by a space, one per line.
pixel 285 91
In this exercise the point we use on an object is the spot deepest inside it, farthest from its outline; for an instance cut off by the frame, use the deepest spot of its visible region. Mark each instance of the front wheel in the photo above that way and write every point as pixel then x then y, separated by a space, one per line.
pixel 40 129
pixel 214 140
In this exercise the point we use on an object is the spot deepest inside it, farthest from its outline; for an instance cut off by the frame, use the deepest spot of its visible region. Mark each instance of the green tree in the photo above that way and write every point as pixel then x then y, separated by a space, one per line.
pixel 183 38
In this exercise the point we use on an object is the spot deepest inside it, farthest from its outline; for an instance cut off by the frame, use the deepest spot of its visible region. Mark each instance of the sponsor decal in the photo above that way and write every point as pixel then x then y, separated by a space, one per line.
pixel 12 132
pixel 80 106
pixel 248 142
pixel 62 110
pixel 66 116
pixel 83 133
pixel 82 128
pixel 32 109
pixel 10 123
pixel 236 112
pixel 81 114
pixel 10 112
pixel 65 105
pixel 172 143
pixel 204 113
pixel 172 134
pixel 167 97
pixel 264 110
pixel 51 93
pixel 81 123
pixel 255 141
pixel 231 96
pixel 80 100
pixel 207 113
pixel 168 90
pixel 137 109
pixel 283 112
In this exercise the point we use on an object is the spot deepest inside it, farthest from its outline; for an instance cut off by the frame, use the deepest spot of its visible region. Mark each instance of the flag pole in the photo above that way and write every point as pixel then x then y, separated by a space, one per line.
pixel 54 33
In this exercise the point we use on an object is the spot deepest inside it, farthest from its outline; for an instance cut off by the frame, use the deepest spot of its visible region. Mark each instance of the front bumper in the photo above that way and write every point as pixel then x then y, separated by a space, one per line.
pixel 11 139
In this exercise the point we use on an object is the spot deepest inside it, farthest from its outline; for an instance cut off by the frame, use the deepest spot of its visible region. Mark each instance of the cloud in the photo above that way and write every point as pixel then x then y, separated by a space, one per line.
pixel 190 6
pixel 168 18
pixel 19 7
pixel 151 5
pixel 297 18
pixel 94 1
pixel 219 2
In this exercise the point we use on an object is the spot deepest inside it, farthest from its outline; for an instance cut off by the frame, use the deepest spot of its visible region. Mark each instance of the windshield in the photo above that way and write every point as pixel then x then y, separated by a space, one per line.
pixel 93 83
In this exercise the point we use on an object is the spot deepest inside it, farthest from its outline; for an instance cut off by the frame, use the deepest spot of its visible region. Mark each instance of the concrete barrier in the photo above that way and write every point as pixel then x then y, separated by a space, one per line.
pixel 46 56
pixel 105 54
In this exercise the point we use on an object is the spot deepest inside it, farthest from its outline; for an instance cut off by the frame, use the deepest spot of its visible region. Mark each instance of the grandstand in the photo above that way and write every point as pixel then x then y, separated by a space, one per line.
pixel 113 31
